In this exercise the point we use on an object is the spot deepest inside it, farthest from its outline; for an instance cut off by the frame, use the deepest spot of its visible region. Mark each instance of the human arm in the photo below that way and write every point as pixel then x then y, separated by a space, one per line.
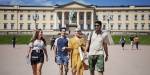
pixel 106 50
pixel 29 50
pixel 45 51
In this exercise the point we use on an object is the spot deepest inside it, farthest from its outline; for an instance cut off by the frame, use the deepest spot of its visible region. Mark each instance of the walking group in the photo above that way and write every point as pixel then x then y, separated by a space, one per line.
pixel 73 51
pixel 134 40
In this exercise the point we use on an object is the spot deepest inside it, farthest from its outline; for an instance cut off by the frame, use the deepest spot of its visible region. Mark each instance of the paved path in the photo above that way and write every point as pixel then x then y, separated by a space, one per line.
pixel 127 62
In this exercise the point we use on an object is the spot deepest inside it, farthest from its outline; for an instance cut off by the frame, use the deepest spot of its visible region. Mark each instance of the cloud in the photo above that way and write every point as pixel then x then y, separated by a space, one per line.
pixel 31 2
pixel 82 1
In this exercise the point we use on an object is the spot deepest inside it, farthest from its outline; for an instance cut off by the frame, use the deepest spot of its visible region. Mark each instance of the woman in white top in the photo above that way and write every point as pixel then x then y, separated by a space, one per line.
pixel 36 52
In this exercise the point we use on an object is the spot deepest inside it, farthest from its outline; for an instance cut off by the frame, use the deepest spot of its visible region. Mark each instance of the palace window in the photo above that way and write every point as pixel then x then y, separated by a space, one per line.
pixel 29 17
pixel 12 26
pixel 111 25
pixel 81 16
pixel 127 17
pixel 127 26
pixel 5 16
pixel 51 17
pixel 82 27
pixel 36 26
pixel 89 26
pixel 135 26
pixel 142 17
pixel 89 16
pixel 21 17
pixel 12 16
pixel 5 25
pixel 119 26
pixel 44 16
pixel 29 26
pixel 44 26
pixel 142 26
pixel 21 26
pixel 135 17
pixel 119 17
pixel 51 26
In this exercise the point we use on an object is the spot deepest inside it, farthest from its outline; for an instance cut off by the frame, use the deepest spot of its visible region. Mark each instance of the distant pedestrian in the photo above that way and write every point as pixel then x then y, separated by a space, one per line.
pixel 131 41
pixel 136 42
pixel 37 49
pixel 14 41
pixel 122 42
pixel 52 42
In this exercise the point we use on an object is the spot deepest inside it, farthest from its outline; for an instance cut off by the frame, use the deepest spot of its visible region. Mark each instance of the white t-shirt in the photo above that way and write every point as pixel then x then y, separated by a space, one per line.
pixel 96 45
pixel 37 45
pixel 55 43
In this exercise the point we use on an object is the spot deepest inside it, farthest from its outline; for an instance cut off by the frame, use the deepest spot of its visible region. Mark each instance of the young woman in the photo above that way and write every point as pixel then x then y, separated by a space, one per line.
pixel 36 52
pixel 75 43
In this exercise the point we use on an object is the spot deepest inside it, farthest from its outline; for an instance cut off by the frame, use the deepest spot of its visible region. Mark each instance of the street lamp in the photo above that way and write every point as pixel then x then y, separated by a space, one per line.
pixel 35 18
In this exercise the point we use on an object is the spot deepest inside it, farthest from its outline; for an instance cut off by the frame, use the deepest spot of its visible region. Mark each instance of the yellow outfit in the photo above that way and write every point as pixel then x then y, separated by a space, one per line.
pixel 76 63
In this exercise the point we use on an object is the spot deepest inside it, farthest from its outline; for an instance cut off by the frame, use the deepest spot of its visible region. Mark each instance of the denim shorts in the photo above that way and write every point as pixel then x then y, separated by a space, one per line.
pixel 62 60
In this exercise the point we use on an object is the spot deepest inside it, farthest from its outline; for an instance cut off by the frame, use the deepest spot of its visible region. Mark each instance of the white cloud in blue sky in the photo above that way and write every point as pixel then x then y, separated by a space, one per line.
pixel 95 2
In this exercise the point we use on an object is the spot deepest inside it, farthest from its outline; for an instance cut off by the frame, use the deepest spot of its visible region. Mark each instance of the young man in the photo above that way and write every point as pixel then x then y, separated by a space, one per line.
pixel 97 45
pixel 61 54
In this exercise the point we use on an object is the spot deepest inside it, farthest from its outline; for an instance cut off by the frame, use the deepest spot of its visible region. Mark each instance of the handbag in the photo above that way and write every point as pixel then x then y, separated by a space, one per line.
pixel 84 59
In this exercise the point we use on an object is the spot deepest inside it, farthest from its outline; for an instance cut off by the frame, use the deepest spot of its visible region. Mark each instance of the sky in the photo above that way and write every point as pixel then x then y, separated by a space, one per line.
pixel 88 2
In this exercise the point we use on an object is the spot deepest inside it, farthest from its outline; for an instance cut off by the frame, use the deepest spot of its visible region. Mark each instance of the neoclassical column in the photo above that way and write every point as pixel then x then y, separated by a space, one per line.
pixel 85 19
pixel 63 25
pixel 92 20
pixel 78 25
pixel 55 21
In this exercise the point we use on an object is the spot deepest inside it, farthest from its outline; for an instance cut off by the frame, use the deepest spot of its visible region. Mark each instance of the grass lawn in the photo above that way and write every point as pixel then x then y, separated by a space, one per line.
pixel 144 39
pixel 25 39
pixel 20 39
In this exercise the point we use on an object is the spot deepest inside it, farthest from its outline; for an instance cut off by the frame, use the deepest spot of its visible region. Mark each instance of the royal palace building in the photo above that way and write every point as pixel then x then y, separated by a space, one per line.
pixel 51 18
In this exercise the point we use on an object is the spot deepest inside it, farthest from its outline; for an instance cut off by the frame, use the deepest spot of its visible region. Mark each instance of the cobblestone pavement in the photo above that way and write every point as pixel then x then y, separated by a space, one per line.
pixel 121 62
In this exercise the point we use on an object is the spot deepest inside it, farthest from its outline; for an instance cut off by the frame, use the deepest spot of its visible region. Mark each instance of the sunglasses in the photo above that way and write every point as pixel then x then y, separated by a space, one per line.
pixel 96 25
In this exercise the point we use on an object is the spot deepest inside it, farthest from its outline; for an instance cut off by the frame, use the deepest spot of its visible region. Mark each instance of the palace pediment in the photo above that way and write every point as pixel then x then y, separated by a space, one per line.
pixel 74 5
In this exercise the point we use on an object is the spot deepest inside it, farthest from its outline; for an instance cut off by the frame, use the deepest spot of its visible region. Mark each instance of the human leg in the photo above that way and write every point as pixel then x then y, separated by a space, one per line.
pixel 60 69
pixel 73 71
pixel 39 67
pixel 137 46
pixel 80 68
pixel 100 73
pixel 92 63
pixel 34 69
pixel 66 69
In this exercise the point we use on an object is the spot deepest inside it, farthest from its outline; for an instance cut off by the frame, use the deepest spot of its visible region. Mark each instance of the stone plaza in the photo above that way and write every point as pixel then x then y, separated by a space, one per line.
pixel 121 62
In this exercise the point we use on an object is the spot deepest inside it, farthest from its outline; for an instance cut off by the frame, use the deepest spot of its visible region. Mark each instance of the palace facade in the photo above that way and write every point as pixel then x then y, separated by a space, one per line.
pixel 74 14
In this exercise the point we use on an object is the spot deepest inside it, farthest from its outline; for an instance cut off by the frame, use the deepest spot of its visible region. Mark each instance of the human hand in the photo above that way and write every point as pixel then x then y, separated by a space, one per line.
pixel 63 48
pixel 46 58
pixel 106 58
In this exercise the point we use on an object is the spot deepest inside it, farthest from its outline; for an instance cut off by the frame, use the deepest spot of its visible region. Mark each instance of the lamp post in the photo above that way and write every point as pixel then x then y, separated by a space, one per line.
pixel 35 18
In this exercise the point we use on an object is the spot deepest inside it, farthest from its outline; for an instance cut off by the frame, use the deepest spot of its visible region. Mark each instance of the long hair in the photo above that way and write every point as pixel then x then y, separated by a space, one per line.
pixel 35 36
